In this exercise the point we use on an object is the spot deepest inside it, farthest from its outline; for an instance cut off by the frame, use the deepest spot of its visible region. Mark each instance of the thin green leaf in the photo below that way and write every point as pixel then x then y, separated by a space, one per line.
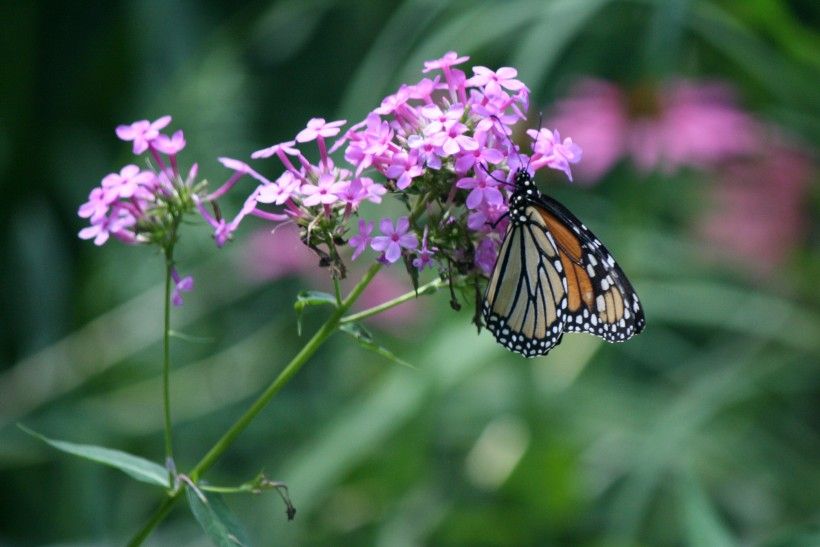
pixel 217 521
pixel 702 523
pixel 725 33
pixel 138 468
pixel 191 338
pixel 542 43
pixel 475 25
pixel 365 340
pixel 310 298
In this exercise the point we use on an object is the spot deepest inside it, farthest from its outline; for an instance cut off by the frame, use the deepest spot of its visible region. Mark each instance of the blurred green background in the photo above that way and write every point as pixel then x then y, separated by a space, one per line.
pixel 704 430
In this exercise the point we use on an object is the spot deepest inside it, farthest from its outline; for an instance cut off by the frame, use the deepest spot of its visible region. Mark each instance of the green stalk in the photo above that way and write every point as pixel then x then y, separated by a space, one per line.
pixel 427 288
pixel 166 367
pixel 337 289
pixel 324 332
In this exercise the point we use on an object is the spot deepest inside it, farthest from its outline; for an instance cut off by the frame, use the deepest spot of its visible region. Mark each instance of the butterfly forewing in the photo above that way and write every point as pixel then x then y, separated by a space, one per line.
pixel 601 298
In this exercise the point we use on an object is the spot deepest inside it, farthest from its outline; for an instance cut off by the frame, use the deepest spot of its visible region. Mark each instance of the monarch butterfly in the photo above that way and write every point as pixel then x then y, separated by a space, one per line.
pixel 552 276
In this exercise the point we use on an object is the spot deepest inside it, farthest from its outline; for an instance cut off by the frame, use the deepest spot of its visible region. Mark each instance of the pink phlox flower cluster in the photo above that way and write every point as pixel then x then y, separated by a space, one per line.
pixel 680 124
pixel 140 206
pixel 446 123
pixel 447 127
pixel 303 186
pixel 124 200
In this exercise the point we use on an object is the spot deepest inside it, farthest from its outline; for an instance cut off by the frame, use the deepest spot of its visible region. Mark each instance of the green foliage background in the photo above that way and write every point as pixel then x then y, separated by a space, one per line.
pixel 702 431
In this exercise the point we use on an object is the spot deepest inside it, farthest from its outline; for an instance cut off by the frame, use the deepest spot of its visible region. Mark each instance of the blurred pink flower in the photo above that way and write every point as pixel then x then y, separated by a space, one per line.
pixel 281 253
pixel 385 286
pixel 679 124
pixel 756 217
pixel 271 256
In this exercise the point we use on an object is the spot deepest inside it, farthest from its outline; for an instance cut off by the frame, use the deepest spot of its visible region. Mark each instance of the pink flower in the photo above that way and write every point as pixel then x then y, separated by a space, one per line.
pixel 483 189
pixel 426 150
pixel 117 223
pixel 425 256
pixel 487 218
pixel 698 126
pixel 757 216
pixel 472 156
pixel 130 182
pixel 97 205
pixel 549 150
pixel 504 77
pixel 361 240
pixel 373 190
pixel 486 254
pixel 142 132
pixel 279 253
pixel 445 132
pixel 404 167
pixel 280 191
pixel 169 145
pixel 595 115
pixel 278 149
pixel 223 230
pixel 681 124
pixel 181 284
pixel 366 145
pixel 394 239
pixel 323 192
pixel 444 63
pixel 317 127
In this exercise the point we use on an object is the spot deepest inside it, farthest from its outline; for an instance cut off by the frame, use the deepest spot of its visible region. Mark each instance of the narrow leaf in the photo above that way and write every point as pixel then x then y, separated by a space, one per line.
pixel 365 340
pixel 703 524
pixel 310 298
pixel 134 466
pixel 217 521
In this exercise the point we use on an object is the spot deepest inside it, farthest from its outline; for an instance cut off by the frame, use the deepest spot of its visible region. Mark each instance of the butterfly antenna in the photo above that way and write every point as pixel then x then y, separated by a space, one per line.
pixel 498 180
pixel 512 144
pixel 540 122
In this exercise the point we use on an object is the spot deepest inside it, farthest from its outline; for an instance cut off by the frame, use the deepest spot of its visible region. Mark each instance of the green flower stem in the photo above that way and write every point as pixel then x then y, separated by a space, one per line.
pixel 324 332
pixel 158 516
pixel 337 289
pixel 227 489
pixel 427 288
pixel 166 366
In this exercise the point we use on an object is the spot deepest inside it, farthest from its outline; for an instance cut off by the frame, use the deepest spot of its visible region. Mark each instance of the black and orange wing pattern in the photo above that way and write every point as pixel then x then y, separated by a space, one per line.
pixel 601 298
pixel 553 276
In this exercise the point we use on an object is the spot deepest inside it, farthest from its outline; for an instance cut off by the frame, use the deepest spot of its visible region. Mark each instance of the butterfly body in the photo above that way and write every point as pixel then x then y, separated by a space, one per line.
pixel 552 276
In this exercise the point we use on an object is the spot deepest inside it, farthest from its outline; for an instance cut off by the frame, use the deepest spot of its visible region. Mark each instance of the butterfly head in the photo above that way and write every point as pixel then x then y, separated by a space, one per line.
pixel 523 179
